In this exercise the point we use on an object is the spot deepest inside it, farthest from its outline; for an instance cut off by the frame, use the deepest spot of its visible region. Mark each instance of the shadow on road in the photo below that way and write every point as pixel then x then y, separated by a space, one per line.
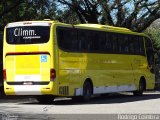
pixel 14 99
pixel 103 99
pixel 30 101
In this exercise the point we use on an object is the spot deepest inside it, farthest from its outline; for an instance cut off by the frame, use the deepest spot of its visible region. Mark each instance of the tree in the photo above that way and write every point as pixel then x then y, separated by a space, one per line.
pixel 19 10
pixel 153 32
pixel 63 17
pixel 133 14
pixel 136 15
pixel 5 8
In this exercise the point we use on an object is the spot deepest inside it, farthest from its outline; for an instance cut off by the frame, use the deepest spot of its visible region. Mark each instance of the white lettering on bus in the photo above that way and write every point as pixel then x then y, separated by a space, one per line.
pixel 21 32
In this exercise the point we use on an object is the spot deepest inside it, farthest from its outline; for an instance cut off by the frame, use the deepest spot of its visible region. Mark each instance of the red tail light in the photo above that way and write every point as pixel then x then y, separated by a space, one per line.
pixel 4 74
pixel 52 74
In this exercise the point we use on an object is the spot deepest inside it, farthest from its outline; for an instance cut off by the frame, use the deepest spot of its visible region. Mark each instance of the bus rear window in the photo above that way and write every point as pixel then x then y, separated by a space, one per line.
pixel 28 34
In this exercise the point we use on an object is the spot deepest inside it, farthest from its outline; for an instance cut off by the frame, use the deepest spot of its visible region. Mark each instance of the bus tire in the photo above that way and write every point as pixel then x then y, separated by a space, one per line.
pixel 45 99
pixel 87 91
pixel 142 86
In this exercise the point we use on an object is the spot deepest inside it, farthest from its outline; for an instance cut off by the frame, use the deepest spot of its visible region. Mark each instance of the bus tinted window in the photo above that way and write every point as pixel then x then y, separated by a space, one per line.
pixel 131 45
pixel 82 40
pixel 136 44
pixel 141 42
pixel 114 38
pixel 92 41
pixel 123 43
pixel 28 34
pixel 98 39
pixel 67 39
pixel 106 44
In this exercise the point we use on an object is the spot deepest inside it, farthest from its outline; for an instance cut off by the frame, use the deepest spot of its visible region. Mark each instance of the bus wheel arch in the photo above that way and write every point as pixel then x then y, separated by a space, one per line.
pixel 142 87
pixel 87 89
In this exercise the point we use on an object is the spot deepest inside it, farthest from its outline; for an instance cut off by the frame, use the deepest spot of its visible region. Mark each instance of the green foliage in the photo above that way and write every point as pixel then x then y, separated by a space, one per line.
pixel 154 34
pixel 23 10
pixel 136 15
pixel 68 16
pixel 132 14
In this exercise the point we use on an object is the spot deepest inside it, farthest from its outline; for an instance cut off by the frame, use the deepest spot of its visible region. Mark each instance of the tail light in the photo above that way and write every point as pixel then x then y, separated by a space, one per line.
pixel 4 74
pixel 52 74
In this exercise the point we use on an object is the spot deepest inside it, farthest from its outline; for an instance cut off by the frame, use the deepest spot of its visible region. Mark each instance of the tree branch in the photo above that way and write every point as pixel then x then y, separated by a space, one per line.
pixel 143 23
pixel 120 13
pixel 107 12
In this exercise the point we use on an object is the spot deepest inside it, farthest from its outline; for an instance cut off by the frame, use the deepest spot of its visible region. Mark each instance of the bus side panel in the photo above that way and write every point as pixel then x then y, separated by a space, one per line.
pixel 110 73
pixel 70 67
pixel 141 69
pixel 103 69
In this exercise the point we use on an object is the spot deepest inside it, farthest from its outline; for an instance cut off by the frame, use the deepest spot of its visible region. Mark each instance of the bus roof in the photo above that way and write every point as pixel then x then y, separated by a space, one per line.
pixel 85 26
pixel 103 27
pixel 110 28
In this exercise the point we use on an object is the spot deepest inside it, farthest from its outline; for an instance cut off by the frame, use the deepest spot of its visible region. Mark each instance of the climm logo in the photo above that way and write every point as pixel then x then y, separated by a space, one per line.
pixel 21 32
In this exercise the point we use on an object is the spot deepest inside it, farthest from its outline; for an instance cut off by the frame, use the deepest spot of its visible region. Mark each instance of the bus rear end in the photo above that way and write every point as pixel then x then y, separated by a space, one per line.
pixel 28 59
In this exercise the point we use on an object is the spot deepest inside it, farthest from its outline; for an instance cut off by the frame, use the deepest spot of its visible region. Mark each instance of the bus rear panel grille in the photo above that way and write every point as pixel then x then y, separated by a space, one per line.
pixel 63 90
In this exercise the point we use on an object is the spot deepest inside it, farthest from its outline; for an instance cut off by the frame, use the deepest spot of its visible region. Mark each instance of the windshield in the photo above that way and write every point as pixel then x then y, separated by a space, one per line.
pixel 28 34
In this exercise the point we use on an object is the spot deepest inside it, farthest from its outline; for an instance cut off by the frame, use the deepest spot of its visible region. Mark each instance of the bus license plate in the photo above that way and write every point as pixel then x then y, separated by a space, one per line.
pixel 27 83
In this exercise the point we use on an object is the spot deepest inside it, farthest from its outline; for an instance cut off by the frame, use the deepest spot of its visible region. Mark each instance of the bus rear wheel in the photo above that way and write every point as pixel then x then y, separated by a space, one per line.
pixel 87 91
pixel 45 99
pixel 142 86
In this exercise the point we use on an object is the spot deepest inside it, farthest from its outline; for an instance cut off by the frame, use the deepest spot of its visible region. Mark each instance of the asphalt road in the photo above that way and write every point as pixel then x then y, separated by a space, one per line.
pixel 109 107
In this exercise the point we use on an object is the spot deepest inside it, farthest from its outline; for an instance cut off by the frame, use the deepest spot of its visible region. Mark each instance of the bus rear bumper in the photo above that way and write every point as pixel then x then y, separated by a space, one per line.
pixel 28 89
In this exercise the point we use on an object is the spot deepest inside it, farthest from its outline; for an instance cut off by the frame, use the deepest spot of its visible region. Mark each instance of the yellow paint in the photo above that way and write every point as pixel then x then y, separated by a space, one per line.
pixel 72 69
pixel 8 89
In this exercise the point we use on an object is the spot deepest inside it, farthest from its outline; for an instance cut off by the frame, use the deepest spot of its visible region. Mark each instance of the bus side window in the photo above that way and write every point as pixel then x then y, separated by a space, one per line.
pixel 98 41
pixel 131 45
pixel 90 41
pixel 107 44
pixel 74 40
pixel 136 44
pixel 141 42
pixel 94 40
pixel 114 38
pixel 62 42
pixel 82 38
pixel 67 38
pixel 123 43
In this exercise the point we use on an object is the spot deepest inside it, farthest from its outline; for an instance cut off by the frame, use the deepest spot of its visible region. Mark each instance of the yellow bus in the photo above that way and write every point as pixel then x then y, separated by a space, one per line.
pixel 47 59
